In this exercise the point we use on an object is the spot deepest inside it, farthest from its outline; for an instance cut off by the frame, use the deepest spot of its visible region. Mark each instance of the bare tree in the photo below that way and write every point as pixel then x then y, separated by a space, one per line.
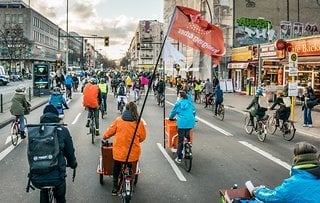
pixel 13 41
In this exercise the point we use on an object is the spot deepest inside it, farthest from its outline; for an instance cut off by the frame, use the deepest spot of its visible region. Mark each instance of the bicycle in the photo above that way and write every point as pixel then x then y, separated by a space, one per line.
pixel 92 127
pixel 101 108
pixel 259 125
pixel 15 130
pixel 161 99
pixel 287 128
pixel 126 179
pixel 220 111
pixel 136 95
pixel 121 106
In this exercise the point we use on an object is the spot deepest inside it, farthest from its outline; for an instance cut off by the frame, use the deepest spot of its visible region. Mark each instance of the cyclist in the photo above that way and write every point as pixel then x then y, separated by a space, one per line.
pixel 160 88
pixel 218 98
pixel 136 89
pixel 19 106
pixel 208 86
pixel 121 95
pixel 123 129
pixel 197 89
pixel 185 111
pixel 128 84
pixel 57 177
pixel 256 110
pixel 303 183
pixel 103 86
pixel 58 101
pixel 91 100
pixel 75 80
pixel 283 112
pixel 68 83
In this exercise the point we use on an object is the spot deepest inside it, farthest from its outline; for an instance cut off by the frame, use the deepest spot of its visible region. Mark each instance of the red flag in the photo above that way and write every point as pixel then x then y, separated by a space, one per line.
pixel 189 28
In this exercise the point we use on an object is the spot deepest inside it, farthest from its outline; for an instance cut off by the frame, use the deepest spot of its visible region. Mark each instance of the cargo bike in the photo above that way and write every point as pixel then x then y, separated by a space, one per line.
pixel 128 175
pixel 171 139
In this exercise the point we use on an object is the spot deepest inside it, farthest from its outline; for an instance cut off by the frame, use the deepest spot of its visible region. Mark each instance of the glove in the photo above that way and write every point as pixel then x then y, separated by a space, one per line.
pixel 172 119
pixel 104 142
pixel 74 165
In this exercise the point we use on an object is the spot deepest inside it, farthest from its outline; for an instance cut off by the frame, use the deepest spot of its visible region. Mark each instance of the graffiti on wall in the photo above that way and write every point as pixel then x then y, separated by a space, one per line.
pixel 254 31
pixel 297 29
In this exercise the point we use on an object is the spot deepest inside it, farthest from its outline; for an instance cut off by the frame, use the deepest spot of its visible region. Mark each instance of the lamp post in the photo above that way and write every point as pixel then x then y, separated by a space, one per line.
pixel 94 51
pixel 67 47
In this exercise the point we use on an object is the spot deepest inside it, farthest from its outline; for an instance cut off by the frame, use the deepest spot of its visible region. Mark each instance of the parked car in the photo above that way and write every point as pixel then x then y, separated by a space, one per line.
pixel 4 78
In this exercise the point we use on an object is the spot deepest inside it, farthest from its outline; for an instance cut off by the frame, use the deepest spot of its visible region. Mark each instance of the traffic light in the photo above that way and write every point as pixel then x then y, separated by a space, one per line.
pixel 106 41
pixel 138 46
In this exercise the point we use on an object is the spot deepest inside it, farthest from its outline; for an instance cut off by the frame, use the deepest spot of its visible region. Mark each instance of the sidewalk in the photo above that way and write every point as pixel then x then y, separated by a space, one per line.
pixel 6 117
pixel 238 102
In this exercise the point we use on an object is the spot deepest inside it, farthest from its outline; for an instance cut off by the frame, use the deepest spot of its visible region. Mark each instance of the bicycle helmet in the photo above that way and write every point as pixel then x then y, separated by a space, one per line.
pixel 21 88
pixel 102 80
pixel 259 92
pixel 93 81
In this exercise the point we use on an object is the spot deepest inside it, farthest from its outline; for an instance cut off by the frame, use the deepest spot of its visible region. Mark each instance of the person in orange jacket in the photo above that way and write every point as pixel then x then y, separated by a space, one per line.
pixel 92 100
pixel 123 129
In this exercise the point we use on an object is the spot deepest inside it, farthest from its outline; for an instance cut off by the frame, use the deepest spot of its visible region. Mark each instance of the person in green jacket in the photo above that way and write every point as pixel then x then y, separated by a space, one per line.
pixel 19 106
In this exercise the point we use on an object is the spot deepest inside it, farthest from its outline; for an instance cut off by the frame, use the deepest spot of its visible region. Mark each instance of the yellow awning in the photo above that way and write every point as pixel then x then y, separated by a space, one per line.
pixel 145 66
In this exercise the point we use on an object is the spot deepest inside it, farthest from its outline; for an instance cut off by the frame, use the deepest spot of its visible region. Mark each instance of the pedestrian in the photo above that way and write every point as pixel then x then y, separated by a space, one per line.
pixel 308 95
pixel 185 111
pixel 123 128
pixel 303 183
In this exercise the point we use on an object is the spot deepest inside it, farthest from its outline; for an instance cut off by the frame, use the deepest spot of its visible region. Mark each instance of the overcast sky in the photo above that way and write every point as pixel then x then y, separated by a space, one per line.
pixel 117 19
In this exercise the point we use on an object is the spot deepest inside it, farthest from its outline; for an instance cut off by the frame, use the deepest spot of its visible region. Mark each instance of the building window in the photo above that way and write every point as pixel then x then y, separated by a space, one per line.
pixel 8 18
pixel 20 18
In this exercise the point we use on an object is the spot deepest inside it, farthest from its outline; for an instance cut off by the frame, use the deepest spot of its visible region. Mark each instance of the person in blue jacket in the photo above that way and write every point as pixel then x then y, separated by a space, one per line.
pixel 218 98
pixel 185 111
pixel 304 183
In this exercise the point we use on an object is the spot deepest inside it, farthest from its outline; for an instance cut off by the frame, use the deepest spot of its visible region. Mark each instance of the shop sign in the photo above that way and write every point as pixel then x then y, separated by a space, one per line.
pixel 306 47
pixel 293 64
pixel 241 54
pixel 270 51
pixel 238 65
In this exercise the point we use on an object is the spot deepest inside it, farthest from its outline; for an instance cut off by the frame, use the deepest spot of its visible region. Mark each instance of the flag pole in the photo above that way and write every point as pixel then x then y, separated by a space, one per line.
pixel 149 86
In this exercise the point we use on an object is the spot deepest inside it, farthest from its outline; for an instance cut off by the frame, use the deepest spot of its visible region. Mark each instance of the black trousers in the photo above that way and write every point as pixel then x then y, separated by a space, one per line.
pixel 116 171
pixel 59 193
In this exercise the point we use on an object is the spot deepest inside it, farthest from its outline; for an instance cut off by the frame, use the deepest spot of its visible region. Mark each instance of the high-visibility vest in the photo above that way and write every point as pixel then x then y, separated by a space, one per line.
pixel 103 88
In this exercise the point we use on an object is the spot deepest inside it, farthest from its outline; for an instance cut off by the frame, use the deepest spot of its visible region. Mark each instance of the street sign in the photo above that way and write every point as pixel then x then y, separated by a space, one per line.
pixel 293 89
pixel 293 64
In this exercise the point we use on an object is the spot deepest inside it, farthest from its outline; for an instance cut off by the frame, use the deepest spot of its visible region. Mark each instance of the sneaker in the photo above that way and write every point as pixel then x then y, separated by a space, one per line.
pixel 177 160
pixel 310 126
pixel 88 123
pixel 304 125
pixel 22 135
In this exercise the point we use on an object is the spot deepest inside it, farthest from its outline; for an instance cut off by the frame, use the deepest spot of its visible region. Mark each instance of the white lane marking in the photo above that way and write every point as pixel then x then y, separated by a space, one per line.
pixel 5 152
pixel 76 119
pixel 8 140
pixel 171 162
pixel 209 124
pixel 267 155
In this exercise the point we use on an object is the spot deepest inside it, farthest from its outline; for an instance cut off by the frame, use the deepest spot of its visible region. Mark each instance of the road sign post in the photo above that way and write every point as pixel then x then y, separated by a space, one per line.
pixel 293 71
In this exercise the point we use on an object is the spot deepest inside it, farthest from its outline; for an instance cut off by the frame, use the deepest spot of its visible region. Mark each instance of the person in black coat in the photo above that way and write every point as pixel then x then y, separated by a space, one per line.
pixel 283 112
pixel 67 158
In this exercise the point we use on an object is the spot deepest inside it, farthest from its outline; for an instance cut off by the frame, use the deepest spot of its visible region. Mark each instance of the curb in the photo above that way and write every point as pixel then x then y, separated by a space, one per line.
pixel 8 121
pixel 304 132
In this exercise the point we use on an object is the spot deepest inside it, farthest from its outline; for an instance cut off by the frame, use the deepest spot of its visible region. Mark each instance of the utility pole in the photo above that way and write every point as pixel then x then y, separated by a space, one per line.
pixel 67 47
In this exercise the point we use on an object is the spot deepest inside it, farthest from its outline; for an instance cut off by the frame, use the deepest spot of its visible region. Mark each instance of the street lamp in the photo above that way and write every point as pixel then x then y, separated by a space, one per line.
pixel 94 51
pixel 67 47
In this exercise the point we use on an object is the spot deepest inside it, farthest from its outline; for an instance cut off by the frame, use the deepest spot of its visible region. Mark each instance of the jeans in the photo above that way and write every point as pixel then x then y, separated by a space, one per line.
pixel 104 100
pixel 21 119
pixel 59 193
pixel 182 133
pixel 216 107
pixel 96 115
pixel 307 120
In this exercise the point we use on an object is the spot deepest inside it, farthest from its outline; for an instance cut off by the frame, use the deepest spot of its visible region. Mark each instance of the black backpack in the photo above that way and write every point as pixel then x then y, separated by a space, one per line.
pixel 121 91
pixel 43 148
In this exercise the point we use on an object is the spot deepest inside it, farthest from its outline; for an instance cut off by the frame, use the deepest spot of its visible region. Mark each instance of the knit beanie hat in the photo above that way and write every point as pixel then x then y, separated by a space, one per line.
pixel 50 109
pixel 305 153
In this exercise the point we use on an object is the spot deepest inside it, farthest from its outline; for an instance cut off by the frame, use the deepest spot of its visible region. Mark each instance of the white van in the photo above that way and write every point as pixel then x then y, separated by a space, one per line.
pixel 4 78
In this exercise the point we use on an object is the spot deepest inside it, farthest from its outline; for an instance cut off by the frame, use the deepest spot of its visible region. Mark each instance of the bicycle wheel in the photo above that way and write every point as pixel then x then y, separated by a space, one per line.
pixel 262 131
pixel 187 157
pixel 221 111
pixel 102 110
pixel 135 179
pixel 14 133
pixel 289 132
pixel 272 125
pixel 247 125
pixel 101 179
pixel 93 130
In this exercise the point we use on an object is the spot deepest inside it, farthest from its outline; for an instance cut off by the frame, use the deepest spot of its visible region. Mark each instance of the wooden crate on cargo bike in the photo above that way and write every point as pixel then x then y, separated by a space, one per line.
pixel 171 132
pixel 106 162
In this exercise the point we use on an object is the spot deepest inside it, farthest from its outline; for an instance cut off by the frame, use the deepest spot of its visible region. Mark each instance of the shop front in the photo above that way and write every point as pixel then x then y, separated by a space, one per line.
pixel 308 51
pixel 242 69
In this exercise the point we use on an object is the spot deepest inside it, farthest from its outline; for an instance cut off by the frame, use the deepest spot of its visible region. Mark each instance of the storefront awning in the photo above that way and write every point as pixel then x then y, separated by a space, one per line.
pixel 146 66
pixel 238 65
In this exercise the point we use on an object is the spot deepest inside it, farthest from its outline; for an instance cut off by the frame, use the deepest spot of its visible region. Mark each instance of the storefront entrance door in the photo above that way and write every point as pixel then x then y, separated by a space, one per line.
pixel 238 80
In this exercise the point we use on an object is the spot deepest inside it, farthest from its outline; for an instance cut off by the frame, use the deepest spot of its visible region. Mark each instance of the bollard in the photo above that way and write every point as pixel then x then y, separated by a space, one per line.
pixel 29 94
pixel 1 103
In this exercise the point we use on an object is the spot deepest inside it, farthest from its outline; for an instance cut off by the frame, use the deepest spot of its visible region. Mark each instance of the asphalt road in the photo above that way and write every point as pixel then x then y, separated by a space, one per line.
pixel 223 154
